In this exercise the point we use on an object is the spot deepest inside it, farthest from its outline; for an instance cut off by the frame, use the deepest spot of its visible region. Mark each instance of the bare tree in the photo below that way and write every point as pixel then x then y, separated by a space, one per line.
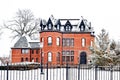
pixel 23 23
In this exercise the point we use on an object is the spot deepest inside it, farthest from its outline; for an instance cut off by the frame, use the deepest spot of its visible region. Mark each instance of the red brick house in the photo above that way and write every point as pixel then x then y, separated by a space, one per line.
pixel 64 41
pixel 26 50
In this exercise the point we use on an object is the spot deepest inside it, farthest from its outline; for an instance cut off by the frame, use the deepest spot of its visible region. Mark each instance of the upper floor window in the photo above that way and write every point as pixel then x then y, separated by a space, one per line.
pixel 37 51
pixel 49 57
pixel 25 51
pixel 42 39
pixel 32 51
pixel 49 40
pixel 91 43
pixel 83 42
pixel 68 42
pixel 58 41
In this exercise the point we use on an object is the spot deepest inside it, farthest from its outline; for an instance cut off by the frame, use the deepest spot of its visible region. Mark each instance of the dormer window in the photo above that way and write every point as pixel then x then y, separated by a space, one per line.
pixel 58 27
pixel 41 25
pixel 82 28
pixel 49 24
pixel 42 28
pixel 68 28
pixel 49 27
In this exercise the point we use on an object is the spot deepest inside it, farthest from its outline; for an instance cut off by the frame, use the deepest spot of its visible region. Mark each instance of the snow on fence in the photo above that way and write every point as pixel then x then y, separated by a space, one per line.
pixel 68 72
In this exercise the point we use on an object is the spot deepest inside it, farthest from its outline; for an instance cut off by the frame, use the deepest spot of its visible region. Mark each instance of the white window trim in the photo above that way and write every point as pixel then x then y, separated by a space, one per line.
pixel 49 40
pixel 49 57
pixel 83 42
pixel 57 41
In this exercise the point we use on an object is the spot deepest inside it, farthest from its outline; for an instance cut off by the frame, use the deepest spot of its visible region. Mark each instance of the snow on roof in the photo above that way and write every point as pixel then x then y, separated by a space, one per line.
pixel 26 42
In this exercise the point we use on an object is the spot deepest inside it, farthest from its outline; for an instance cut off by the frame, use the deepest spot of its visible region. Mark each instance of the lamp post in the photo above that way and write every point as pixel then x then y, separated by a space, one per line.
pixel 41 53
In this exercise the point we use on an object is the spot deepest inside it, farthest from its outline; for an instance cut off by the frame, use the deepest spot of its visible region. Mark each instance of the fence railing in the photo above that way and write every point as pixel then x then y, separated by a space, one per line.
pixel 54 72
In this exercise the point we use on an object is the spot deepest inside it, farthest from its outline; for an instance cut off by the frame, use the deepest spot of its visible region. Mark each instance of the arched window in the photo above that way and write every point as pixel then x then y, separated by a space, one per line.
pixel 68 28
pixel 58 41
pixel 22 59
pixel 42 39
pixel 32 59
pixel 82 28
pixel 58 57
pixel 26 59
pixel 58 27
pixel 49 27
pixel 49 40
pixel 49 57
pixel 36 59
pixel 91 43
pixel 83 42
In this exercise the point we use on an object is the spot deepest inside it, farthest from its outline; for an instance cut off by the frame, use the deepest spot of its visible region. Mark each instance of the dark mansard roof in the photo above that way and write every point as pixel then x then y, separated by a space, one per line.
pixel 66 25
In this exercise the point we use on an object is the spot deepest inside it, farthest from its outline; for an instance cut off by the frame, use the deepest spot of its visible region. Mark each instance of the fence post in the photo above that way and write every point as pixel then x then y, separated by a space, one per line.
pixel 79 72
pixel 96 72
pixel 67 72
pixel 7 70
pixel 47 72
pixel 111 72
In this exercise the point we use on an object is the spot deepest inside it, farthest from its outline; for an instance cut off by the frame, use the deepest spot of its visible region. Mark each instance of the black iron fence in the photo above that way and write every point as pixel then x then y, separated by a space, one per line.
pixel 54 72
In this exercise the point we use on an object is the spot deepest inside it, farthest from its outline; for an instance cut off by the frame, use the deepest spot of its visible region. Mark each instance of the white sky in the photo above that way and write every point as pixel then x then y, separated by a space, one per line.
pixel 101 13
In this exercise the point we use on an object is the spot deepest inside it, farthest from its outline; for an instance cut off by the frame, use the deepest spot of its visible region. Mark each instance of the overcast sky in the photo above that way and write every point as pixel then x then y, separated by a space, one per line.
pixel 101 13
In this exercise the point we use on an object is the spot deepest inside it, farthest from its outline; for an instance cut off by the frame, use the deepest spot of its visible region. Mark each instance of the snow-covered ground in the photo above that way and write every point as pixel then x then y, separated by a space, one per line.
pixel 59 74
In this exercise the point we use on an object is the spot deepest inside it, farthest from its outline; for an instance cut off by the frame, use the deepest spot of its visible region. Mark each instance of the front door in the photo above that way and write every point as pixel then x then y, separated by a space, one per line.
pixel 83 59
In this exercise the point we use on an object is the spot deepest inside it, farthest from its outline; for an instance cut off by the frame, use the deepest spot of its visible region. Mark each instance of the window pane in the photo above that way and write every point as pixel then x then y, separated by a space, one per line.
pixel 72 58
pixel 63 58
pixel 58 56
pixel 67 42
pixel 24 51
pixel 82 28
pixel 26 59
pixel 83 42
pixel 49 57
pixel 36 59
pixel 32 51
pixel 37 51
pixel 49 26
pixel 72 42
pixel 22 59
pixel 91 43
pixel 58 41
pixel 49 40
pixel 58 27
pixel 64 42
pixel 67 58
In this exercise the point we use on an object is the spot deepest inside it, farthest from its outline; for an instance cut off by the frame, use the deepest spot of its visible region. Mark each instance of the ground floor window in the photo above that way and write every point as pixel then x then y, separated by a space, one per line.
pixel 68 56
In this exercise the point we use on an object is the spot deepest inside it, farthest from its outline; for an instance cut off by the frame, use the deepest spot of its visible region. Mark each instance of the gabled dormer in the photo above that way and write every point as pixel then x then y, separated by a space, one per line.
pixel 49 24
pixel 82 26
pixel 68 26
pixel 58 25
pixel 42 25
